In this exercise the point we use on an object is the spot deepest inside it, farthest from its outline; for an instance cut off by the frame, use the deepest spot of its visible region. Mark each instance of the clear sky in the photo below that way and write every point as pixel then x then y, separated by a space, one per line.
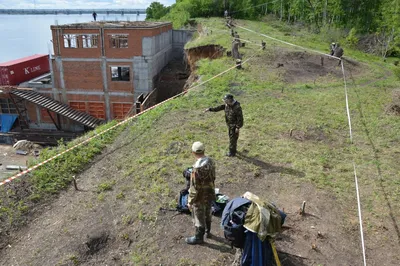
pixel 80 3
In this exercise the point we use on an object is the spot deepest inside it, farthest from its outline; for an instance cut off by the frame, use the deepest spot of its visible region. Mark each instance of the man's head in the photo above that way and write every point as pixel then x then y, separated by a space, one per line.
pixel 228 99
pixel 198 149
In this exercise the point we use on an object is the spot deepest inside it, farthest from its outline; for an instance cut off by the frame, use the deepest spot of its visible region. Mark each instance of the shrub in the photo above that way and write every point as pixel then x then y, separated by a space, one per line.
pixel 352 39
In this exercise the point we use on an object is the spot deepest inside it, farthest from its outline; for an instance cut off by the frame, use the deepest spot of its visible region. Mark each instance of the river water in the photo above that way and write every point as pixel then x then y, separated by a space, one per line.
pixel 25 35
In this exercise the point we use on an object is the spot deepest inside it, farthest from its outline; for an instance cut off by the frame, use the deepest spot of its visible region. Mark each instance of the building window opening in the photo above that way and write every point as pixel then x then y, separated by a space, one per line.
pixel 71 41
pixel 8 107
pixel 120 73
pixel 119 41
pixel 90 41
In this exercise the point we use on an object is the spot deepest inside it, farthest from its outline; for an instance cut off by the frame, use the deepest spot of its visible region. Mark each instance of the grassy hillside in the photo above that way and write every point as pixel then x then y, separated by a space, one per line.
pixel 294 147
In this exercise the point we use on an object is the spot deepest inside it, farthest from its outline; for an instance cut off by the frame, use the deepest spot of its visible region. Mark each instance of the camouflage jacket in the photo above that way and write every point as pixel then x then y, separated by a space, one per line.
pixel 233 114
pixel 202 188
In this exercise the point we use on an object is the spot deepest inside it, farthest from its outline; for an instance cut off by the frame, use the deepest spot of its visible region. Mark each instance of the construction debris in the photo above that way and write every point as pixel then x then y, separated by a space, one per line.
pixel 24 147
pixel 20 152
pixel 15 167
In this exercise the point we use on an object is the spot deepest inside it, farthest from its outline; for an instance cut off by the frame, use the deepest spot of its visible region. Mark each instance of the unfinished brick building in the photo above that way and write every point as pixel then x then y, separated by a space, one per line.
pixel 101 67
pixel 98 70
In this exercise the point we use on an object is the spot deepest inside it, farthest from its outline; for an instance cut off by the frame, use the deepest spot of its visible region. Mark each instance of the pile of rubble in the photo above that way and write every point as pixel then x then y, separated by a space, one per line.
pixel 25 147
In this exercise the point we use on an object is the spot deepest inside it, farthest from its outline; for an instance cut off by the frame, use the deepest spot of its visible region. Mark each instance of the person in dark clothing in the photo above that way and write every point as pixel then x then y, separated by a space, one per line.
pixel 233 119
pixel 94 16
pixel 337 51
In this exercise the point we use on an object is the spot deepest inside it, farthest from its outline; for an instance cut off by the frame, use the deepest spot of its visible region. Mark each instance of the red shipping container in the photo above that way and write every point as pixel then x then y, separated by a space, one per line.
pixel 24 69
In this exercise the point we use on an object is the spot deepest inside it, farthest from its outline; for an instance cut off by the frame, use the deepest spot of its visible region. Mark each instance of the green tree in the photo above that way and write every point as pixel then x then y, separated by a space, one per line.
pixel 156 10
pixel 388 32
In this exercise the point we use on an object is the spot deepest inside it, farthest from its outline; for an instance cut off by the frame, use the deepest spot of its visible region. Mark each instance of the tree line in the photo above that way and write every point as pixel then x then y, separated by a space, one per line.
pixel 379 18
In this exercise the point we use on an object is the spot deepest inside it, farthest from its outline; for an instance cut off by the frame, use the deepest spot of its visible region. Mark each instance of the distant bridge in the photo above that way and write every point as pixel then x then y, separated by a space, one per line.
pixel 70 11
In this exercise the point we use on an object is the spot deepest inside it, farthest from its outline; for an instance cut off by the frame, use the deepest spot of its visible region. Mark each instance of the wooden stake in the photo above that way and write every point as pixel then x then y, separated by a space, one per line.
pixel 75 184
pixel 303 208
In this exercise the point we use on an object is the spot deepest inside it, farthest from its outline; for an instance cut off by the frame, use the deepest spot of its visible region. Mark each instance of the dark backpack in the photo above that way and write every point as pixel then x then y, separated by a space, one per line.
pixel 186 174
pixel 234 230
pixel 183 201
pixel 219 204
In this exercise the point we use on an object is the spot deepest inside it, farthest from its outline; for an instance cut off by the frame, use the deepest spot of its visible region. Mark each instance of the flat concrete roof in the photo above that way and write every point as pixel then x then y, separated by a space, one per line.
pixel 112 24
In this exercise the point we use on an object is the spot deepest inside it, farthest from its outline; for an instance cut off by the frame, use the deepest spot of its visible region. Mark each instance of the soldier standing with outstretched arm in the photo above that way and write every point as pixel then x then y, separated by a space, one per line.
pixel 233 118
pixel 201 193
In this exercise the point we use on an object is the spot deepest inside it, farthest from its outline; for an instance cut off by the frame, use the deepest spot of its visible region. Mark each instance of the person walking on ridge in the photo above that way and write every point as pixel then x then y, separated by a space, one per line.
pixel 94 15
pixel 233 119
pixel 201 193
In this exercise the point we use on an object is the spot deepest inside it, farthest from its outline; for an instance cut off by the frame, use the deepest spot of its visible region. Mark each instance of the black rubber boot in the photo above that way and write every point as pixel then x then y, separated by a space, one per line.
pixel 231 153
pixel 198 238
pixel 208 230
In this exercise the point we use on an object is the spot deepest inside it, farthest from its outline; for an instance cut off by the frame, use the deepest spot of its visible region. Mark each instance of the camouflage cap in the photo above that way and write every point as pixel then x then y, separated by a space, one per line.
pixel 198 147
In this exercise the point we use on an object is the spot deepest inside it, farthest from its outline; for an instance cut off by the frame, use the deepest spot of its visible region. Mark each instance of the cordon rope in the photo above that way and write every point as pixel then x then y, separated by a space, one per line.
pixel 8 180
pixel 288 43
pixel 349 122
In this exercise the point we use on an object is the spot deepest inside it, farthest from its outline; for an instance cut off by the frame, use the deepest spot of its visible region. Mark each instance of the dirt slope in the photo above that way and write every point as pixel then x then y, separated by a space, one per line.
pixel 82 228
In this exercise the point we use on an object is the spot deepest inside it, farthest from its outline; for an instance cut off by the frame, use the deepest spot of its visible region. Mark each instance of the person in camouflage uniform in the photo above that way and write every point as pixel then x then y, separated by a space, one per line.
pixel 201 193
pixel 337 51
pixel 235 50
pixel 234 120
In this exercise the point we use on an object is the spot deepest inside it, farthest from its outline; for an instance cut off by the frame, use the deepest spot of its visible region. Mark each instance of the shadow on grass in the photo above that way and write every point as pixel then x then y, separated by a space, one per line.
pixel 269 167
pixel 220 248
pixel 378 165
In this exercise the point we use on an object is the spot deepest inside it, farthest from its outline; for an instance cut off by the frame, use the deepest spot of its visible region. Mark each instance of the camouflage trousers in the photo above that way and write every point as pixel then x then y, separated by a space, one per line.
pixel 201 215
pixel 233 138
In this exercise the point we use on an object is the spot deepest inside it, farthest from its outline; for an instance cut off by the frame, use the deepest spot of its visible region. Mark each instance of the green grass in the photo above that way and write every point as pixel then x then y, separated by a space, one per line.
pixel 158 149
pixel 53 177
pixel 272 109
pixel 105 186
pixel 215 32
pixel 320 107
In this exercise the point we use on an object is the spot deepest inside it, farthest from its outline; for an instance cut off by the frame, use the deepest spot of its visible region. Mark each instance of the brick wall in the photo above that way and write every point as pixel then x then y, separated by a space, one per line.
pixel 83 75
pixel 134 42
pixel 117 85
pixel 56 74
pixel 31 110
pixel 80 51
pixel 86 75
